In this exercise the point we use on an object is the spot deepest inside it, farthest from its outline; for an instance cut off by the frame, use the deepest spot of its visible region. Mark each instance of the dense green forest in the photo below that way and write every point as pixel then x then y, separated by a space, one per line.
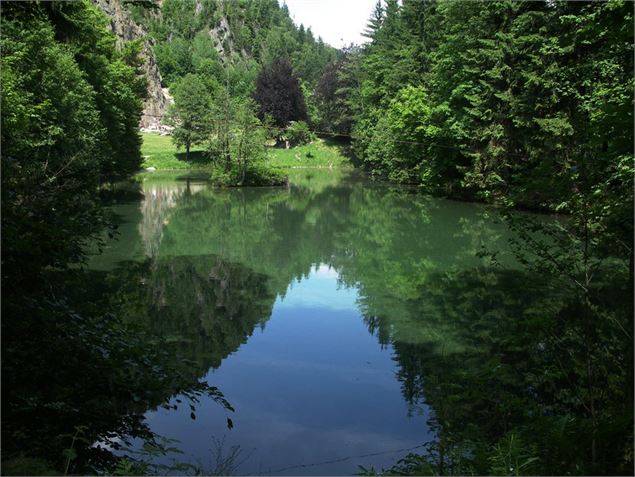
pixel 523 105
pixel 73 371
pixel 521 101
pixel 203 37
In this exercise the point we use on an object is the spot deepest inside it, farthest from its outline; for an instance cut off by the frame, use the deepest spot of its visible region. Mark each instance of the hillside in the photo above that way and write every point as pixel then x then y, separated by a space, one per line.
pixel 227 40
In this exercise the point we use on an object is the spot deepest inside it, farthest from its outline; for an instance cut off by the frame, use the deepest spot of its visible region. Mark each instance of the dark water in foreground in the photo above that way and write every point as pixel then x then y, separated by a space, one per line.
pixel 346 322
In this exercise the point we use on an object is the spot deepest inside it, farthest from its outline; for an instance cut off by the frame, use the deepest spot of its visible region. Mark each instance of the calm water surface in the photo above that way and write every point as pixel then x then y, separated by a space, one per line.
pixel 313 308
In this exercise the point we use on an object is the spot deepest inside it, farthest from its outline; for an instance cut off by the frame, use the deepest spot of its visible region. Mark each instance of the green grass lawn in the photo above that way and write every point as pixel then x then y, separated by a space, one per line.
pixel 160 153
pixel 317 154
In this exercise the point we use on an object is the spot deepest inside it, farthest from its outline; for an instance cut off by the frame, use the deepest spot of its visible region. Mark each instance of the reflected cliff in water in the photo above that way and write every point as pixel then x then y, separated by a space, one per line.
pixel 159 199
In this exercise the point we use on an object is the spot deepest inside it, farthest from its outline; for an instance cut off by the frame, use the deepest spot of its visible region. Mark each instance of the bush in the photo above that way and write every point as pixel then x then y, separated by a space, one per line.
pixel 298 133
pixel 256 174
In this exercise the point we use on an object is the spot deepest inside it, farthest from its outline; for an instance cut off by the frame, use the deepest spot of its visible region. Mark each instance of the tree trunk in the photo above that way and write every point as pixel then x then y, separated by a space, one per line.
pixel 631 355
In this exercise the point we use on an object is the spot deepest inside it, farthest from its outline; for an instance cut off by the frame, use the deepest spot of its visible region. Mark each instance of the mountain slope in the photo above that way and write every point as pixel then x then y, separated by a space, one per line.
pixel 230 40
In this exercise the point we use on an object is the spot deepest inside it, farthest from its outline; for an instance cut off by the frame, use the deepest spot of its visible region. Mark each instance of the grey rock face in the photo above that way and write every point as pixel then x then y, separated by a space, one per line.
pixel 125 29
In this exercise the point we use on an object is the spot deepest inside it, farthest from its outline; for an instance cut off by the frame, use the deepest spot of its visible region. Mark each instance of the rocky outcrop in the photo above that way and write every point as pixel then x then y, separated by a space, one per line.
pixel 223 40
pixel 125 29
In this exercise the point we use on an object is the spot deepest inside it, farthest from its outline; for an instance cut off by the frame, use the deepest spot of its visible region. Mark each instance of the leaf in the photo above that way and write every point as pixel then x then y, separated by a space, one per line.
pixel 230 423
pixel 70 454
pixel 193 416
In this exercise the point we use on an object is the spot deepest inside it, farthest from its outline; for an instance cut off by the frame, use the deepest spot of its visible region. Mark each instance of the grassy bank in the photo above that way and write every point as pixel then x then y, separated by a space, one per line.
pixel 160 153
pixel 319 153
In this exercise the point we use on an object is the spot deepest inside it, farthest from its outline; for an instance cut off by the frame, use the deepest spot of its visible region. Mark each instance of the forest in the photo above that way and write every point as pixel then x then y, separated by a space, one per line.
pixel 522 107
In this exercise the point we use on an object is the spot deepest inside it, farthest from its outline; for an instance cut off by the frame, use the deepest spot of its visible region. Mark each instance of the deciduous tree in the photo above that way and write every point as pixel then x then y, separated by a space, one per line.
pixel 190 113
pixel 279 95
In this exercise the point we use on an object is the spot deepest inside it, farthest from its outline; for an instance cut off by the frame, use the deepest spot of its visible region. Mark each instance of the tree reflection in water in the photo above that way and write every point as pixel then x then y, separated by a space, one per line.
pixel 494 351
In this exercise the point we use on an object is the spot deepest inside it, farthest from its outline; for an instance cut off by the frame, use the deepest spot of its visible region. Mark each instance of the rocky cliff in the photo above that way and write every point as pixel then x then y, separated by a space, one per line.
pixel 126 29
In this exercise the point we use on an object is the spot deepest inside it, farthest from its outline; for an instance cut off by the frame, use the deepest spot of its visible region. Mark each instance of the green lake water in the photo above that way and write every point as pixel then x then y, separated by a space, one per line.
pixel 347 322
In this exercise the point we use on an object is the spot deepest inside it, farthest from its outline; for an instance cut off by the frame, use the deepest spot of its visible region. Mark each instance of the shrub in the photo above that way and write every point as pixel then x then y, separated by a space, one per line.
pixel 298 133
pixel 256 174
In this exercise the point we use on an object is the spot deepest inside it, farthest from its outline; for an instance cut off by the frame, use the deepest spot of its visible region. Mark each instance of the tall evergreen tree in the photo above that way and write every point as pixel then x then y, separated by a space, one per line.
pixel 337 93
pixel 374 22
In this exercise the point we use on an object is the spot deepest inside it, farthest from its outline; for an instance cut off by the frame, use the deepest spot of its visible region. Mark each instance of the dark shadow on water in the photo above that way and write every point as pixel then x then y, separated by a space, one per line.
pixel 497 355
pixel 194 176
pixel 123 191
pixel 120 343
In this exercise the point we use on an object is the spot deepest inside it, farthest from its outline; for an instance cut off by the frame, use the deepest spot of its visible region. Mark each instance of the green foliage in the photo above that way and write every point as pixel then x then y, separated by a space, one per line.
pixel 237 144
pixel 512 457
pixel 258 32
pixel 298 133
pixel 258 174
pixel 228 43
pixel 205 59
pixel 310 101
pixel 508 87
pixel 337 93
pixel 115 74
pixel 70 116
pixel 404 138
pixel 181 17
pixel 511 103
pixel 174 59
pixel 241 78
pixel 190 113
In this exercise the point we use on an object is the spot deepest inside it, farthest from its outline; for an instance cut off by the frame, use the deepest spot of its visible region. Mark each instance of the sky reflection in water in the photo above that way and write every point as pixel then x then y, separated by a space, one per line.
pixel 312 386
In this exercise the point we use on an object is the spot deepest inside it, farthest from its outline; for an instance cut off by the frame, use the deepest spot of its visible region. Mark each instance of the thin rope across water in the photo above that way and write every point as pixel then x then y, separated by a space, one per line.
pixel 343 459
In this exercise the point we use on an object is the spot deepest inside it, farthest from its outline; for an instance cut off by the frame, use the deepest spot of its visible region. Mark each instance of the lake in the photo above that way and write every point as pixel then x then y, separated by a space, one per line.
pixel 347 322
